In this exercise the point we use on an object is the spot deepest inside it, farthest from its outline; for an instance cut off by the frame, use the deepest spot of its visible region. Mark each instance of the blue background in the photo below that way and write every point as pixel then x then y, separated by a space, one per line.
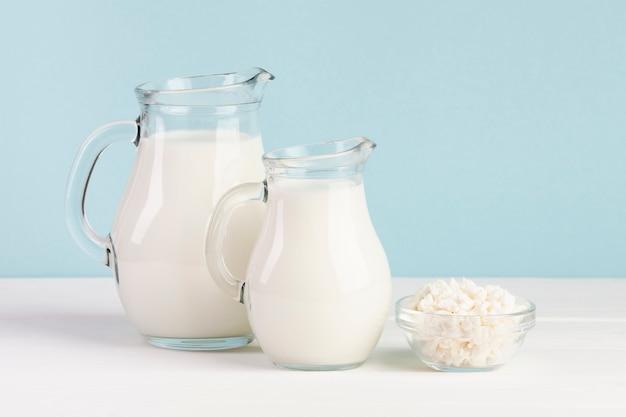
pixel 500 125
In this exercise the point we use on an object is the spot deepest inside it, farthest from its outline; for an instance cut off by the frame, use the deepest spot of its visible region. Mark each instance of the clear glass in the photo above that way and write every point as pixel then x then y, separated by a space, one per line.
pixel 336 159
pixel 317 288
pixel 196 137
pixel 465 343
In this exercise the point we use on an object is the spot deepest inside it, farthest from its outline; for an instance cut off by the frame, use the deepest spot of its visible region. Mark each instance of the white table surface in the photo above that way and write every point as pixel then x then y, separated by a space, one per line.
pixel 67 349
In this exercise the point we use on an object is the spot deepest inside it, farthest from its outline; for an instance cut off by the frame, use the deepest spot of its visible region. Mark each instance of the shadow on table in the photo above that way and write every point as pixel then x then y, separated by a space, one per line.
pixel 396 359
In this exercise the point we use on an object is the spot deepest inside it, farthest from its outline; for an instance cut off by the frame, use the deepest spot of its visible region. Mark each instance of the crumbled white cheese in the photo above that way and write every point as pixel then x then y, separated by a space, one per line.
pixel 463 297
pixel 461 332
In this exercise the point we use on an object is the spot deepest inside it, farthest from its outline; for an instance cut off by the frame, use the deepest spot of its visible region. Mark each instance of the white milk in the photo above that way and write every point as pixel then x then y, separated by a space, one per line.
pixel 158 234
pixel 318 283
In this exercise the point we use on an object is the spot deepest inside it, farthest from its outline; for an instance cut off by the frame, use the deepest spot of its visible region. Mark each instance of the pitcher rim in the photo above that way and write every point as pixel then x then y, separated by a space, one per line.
pixel 354 155
pixel 255 73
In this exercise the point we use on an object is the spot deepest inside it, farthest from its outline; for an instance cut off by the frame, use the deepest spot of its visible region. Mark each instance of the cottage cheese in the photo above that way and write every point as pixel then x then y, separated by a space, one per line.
pixel 465 327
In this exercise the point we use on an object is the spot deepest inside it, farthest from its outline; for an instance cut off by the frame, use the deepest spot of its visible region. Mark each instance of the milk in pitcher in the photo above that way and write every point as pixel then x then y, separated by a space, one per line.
pixel 164 284
pixel 321 288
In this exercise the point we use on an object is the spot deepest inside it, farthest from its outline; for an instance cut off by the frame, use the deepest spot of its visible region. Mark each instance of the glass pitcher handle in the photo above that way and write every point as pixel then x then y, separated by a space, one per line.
pixel 95 245
pixel 216 234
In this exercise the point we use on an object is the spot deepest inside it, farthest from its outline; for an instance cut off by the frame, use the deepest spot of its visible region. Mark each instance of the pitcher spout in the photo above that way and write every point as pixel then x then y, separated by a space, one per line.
pixel 361 147
pixel 259 78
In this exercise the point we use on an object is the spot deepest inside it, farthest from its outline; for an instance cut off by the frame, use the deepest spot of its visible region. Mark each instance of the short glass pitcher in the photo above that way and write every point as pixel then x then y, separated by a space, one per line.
pixel 317 288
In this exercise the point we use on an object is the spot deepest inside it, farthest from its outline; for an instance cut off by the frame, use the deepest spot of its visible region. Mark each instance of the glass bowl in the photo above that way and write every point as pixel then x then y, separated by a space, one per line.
pixel 461 342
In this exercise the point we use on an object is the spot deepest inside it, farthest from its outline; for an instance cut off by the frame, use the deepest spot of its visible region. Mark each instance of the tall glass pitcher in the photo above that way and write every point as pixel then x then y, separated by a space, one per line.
pixel 196 138
pixel 318 285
